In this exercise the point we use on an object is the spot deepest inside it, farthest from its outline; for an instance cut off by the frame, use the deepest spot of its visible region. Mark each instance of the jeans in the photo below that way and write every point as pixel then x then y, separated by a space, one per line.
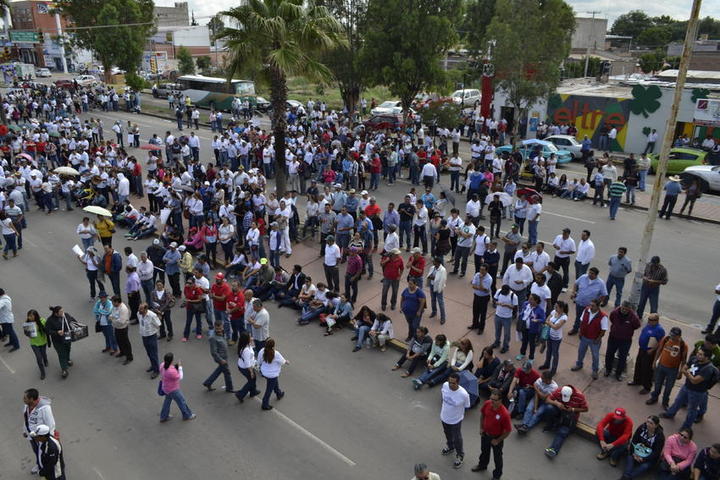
pixel 221 368
pixel 351 287
pixel 525 395
pixel 438 301
pixel 40 352
pixel 560 435
pixel 222 316
pixel 431 373
pixel 115 282
pixel 10 244
pixel 503 326
pixel 413 321
pixel 664 376
pixel 188 322
pixel 594 346
pixel 630 195
pixel 619 284
pixel 181 403
pixel 615 452
pixel 715 315
pixel 552 354
pixel 648 293
pixel 271 385
pixel 414 362
pixel 461 258
pixel 634 469
pixel 694 401
pixel 453 437
pixel 109 334
pixel 642 177
pixel 332 276
pixel 405 229
pixel 533 417
pixel 497 451
pixel 87 242
pixel 455 180
pixel 528 339
pixel 63 353
pixel 250 385
pixel 622 348
pixel 614 205
pixel 420 237
pixel 668 205
pixel 151 348
pixel 580 269
pixel 520 222
pixel 387 285
pixel 579 309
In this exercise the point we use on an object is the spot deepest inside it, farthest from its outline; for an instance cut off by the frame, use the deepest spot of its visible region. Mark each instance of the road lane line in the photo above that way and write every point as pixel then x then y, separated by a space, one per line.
pixel 571 218
pixel 98 473
pixel 7 366
pixel 307 433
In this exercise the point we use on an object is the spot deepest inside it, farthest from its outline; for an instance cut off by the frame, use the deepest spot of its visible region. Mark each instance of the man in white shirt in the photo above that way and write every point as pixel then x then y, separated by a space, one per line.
pixel 585 254
pixel 455 400
pixel 518 277
pixel 419 226
pixel 429 174
pixel 437 278
pixel 145 270
pixel 392 241
pixel 543 291
pixel 538 259
pixel 565 247
pixel 149 326
pixel 330 263
pixel 481 244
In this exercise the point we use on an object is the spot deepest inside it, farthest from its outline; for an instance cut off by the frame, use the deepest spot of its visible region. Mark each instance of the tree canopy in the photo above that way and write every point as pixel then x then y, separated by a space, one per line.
pixel 186 64
pixel 121 45
pixel 658 32
pixel 406 41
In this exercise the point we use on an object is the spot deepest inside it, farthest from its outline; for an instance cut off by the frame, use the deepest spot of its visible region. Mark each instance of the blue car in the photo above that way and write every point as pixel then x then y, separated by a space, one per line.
pixel 526 147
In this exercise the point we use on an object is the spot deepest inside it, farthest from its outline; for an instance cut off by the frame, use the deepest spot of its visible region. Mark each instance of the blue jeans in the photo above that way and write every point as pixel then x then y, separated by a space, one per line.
pixel 715 315
pixel 664 377
pixel 405 229
pixel 374 180
pixel 249 387
pixel 532 418
pixel 188 322
pixel 271 385
pixel 438 301
pixel 455 181
pixel 503 326
pixel 648 293
pixel 552 354
pixel 361 332
pixel 180 400
pixel 147 286
pixel 642 176
pixel 694 402
pixel 520 222
pixel 8 330
pixel 619 284
pixel 10 244
pixel 310 314
pixel 614 205
pixel 109 333
pixel 87 242
pixel 216 373
pixel 532 232
pixel 151 348
pixel 634 469
pixel 431 373
pixel 525 395
pixel 413 321
pixel 594 346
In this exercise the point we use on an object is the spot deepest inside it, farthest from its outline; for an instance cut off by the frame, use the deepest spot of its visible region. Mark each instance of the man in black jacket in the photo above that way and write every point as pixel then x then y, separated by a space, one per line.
pixel 50 456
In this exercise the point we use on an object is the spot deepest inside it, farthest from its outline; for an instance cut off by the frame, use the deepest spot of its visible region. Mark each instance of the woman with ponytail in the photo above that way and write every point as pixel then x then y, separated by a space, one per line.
pixel 271 362
pixel 170 388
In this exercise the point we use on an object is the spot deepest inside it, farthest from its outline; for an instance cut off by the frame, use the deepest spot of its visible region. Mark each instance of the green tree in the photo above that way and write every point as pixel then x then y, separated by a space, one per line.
pixel 651 62
pixel 478 14
pixel 442 114
pixel 528 66
pixel 405 43
pixel 274 39
pixel 631 23
pixel 709 26
pixel 186 64
pixel 130 24
pixel 203 63
pixel 344 60
pixel 655 37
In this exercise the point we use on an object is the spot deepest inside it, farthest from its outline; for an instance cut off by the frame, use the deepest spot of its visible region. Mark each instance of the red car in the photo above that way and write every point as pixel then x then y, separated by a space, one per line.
pixel 384 122
pixel 63 83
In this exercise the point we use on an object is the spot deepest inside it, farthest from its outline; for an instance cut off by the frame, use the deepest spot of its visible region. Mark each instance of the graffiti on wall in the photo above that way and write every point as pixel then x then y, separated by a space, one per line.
pixel 590 114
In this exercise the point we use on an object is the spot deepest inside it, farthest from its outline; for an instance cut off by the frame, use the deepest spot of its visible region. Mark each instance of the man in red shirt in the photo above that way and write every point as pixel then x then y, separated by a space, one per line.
pixel 220 292
pixel 236 310
pixel 566 405
pixel 392 265
pixel 416 267
pixel 522 384
pixel 495 426
pixel 613 433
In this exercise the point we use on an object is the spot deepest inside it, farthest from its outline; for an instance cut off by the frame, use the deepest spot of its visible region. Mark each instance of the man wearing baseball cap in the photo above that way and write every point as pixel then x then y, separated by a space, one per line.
pixel 565 406
pixel 50 460
pixel 614 432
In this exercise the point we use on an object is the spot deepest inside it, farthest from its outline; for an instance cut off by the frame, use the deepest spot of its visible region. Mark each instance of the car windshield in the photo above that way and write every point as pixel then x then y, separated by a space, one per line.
pixel 388 104
pixel 457 93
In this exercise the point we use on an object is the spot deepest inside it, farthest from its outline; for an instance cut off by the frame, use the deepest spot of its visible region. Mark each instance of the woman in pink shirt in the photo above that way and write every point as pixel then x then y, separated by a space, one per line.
pixel 678 455
pixel 170 388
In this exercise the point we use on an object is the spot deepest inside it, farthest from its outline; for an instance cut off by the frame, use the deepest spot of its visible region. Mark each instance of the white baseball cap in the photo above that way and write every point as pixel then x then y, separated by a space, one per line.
pixel 566 393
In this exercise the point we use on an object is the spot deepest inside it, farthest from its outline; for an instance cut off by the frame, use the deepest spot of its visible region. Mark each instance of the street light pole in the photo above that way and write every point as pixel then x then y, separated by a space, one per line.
pixel 690 36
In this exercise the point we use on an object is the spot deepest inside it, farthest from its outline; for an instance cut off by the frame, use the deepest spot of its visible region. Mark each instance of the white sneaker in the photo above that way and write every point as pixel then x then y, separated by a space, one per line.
pixel 35 470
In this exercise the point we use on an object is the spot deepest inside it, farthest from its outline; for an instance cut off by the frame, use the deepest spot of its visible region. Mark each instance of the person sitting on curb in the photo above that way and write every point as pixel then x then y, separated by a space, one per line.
pixel 644 449
pixel 437 360
pixel 416 352
pixel 613 433
pixel 567 403
pixel 678 455
pixel 500 380
pixel 707 463
pixel 362 323
pixel 521 389
pixel 381 331
pixel 461 359
pixel 538 406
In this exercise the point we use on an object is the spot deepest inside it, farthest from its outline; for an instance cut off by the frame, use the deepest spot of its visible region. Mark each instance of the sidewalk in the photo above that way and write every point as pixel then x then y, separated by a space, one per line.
pixel 603 394
pixel 707 207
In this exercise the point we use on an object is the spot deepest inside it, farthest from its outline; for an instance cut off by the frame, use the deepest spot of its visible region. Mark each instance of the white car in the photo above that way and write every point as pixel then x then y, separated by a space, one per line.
pixel 566 142
pixel 389 107
pixel 43 72
pixel 709 176
pixel 469 97
pixel 86 80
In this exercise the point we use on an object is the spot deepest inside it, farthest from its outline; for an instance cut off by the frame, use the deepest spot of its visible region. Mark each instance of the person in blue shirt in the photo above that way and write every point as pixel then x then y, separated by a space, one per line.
pixel 171 260
pixel 649 339
pixel 343 230
pixel 412 306
pixel 588 287
pixel 428 199
pixel 672 190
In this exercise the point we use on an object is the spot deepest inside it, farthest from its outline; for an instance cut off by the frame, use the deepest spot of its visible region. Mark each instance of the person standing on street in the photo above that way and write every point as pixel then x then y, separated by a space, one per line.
pixel 58 327
pixel 162 303
pixel 120 318
pixel 620 265
pixel 219 353
pixel 87 233
pixel 655 275
pixel 715 314
pixel 170 387
pixel 643 165
pixel 392 267
pixel 587 287
pixel 649 339
pixel 519 277
pixel 437 278
pixel 672 190
pixel 50 459
pixel 332 256
pixel 623 323
pixel 111 266
pixel 593 325
pixel 246 364
pixel 464 235
pixel 616 189
pixel 171 260
pixel 455 399
pixel 482 286
pixel 585 254
pixel 37 411
pixel 669 362
pixel 149 326
pixel 7 318
pixel 565 247
pixel 412 304
pixel 270 364
pixel 512 240
pixel 495 426
pixel 259 321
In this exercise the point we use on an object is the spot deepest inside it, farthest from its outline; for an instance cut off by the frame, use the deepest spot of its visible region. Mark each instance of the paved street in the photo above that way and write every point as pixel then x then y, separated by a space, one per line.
pixel 345 415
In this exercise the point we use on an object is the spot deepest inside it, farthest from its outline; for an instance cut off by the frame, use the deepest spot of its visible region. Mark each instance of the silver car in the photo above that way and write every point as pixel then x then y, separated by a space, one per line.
pixel 566 142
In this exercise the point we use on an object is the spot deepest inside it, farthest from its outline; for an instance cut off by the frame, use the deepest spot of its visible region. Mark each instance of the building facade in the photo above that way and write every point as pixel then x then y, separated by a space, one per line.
pixel 33 36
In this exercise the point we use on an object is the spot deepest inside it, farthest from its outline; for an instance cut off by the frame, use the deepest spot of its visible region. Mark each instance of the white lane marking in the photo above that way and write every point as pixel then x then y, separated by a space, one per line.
pixel 571 218
pixel 303 430
pixel 98 473
pixel 7 366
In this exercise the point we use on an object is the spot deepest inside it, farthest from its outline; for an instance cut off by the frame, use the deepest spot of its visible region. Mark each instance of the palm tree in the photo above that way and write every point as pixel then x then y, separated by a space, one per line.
pixel 276 39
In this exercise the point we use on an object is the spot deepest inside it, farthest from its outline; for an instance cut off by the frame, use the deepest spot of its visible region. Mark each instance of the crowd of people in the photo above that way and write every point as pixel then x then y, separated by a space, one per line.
pixel 332 167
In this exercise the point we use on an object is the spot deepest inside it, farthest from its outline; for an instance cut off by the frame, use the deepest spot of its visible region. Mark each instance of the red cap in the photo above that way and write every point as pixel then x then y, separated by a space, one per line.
pixel 219 276
pixel 619 414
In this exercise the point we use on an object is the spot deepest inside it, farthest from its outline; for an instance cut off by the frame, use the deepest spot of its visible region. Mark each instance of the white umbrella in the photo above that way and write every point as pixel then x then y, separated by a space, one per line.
pixel 66 171
pixel 505 199
pixel 104 212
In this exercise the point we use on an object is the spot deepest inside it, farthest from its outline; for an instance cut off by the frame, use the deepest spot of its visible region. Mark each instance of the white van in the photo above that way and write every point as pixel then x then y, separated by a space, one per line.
pixel 468 97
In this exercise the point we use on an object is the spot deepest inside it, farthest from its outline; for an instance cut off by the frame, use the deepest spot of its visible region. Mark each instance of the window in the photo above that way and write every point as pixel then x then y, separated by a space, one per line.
pixel 683 156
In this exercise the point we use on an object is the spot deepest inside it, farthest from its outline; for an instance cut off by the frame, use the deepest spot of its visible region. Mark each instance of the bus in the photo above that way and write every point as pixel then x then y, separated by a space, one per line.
pixel 217 93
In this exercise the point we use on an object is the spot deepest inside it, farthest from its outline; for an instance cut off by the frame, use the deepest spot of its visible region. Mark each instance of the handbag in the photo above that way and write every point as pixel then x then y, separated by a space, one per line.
pixel 198 307
pixel 160 390
pixel 77 330
pixel 545 332
pixel 98 327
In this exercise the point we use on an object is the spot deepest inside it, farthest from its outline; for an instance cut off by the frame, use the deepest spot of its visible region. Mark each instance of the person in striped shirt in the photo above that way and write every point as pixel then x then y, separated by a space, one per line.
pixel 615 192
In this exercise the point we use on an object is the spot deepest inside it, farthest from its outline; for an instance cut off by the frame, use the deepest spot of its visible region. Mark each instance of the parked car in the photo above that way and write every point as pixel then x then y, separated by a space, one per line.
pixel 566 142
pixel 43 72
pixel 294 104
pixel 468 97
pixel 261 104
pixel 86 80
pixel 383 122
pixel 164 89
pixel 679 159
pixel 393 107
pixel 526 147
pixel 63 83
pixel 708 175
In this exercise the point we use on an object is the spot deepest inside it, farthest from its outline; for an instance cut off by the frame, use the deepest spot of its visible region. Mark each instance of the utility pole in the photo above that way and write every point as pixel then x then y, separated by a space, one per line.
pixel 590 41
pixel 690 36
pixel 61 41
